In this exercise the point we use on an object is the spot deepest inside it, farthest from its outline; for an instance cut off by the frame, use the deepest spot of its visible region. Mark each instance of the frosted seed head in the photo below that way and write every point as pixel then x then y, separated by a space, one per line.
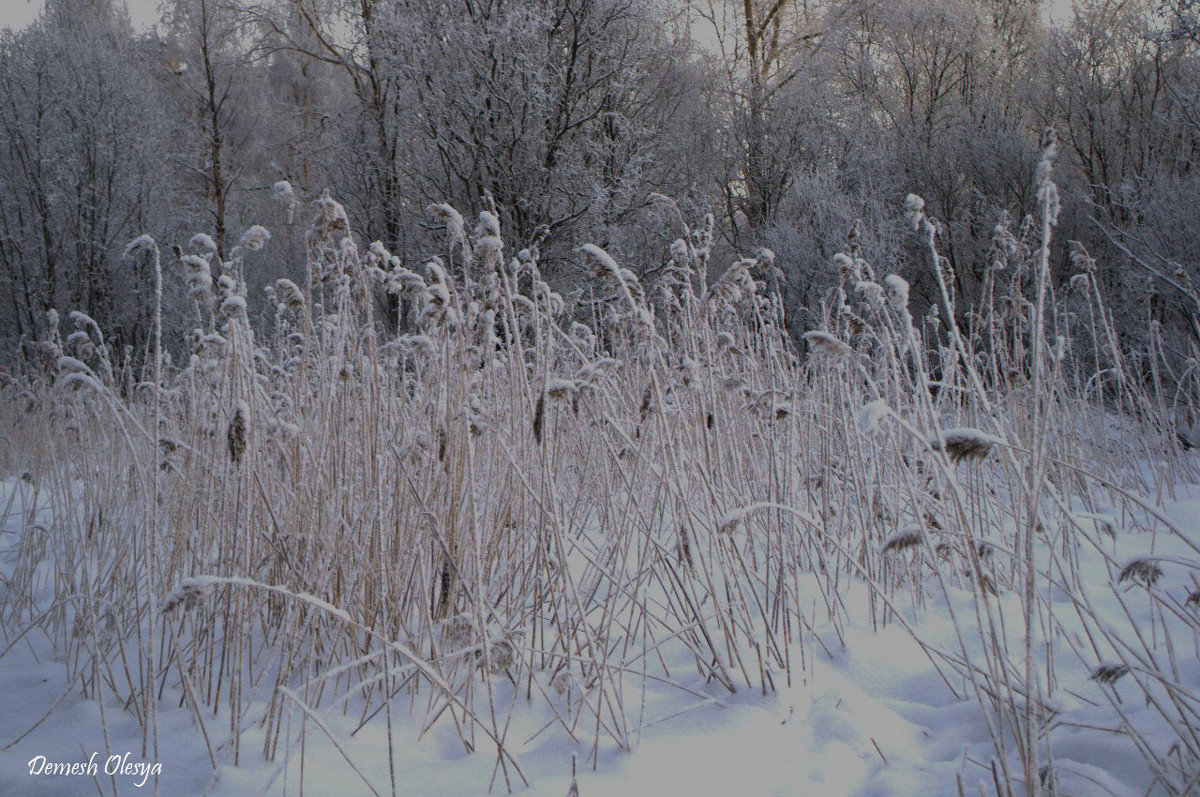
pixel 964 444
pixel 914 207
pixel 827 344
pixel 845 265
pixel 1049 143
pixel 870 292
pixel 897 291
pixel 563 684
pixel 235 434
pixel 233 307
pixel 289 294
pixel 872 415
pixel 764 259
pixel 679 251
pixel 202 241
pixel 139 244
pixel 488 224
pixel 255 238
pixel 190 594
pixel 489 248
pixel 1108 673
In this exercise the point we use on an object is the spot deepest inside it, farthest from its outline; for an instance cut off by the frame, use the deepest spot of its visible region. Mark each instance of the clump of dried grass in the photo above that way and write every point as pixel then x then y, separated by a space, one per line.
pixel 1109 674
pixel 1143 569
pixel 903 539
pixel 189 594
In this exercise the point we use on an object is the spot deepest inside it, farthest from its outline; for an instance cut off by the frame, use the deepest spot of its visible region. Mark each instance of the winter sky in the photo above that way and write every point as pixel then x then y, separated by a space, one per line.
pixel 19 13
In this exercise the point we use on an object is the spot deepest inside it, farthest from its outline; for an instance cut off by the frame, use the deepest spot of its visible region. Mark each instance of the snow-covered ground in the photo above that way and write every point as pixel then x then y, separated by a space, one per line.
pixel 868 715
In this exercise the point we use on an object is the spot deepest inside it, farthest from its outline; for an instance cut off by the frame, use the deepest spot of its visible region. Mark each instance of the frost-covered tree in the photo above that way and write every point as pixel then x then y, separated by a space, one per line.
pixel 942 88
pixel 789 120
pixel 208 47
pixel 552 108
pixel 345 104
pixel 1107 87
pixel 1124 85
pixel 549 107
pixel 766 47
pixel 79 171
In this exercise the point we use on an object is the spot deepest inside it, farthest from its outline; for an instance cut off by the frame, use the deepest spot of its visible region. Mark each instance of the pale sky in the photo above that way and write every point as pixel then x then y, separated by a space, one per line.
pixel 19 13
pixel 144 13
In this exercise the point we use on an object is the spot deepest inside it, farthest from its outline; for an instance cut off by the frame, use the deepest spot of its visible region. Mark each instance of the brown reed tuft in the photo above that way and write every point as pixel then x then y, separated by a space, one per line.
pixel 969 445
pixel 1141 568
pixel 905 538
pixel 1108 674
pixel 235 435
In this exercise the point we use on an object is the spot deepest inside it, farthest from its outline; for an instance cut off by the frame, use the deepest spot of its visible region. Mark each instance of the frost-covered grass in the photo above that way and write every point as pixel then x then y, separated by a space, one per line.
pixel 528 525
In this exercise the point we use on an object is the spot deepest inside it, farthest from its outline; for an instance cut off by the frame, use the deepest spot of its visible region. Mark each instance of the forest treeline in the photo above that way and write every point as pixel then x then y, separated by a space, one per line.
pixel 794 124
